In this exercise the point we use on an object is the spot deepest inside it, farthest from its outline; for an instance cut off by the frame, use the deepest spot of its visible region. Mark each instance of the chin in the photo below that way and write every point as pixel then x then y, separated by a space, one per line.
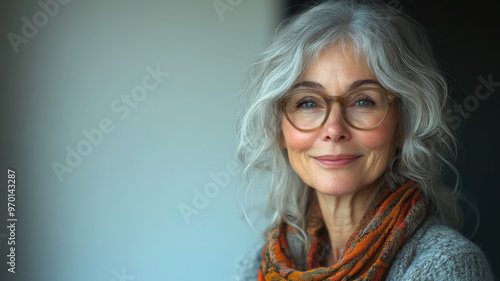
pixel 343 185
pixel 336 187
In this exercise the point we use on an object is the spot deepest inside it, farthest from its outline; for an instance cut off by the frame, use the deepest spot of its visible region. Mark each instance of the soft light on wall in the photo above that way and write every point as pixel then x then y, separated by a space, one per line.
pixel 120 125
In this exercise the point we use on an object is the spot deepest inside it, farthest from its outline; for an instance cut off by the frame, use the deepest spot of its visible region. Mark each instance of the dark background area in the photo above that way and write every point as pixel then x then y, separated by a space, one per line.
pixel 465 36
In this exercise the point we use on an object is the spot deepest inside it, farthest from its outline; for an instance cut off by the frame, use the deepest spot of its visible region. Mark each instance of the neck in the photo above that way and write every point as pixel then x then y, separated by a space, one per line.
pixel 342 215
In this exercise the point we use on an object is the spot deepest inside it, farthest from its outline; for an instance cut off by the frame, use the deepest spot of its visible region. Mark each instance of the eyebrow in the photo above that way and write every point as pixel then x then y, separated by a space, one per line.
pixel 319 87
pixel 359 83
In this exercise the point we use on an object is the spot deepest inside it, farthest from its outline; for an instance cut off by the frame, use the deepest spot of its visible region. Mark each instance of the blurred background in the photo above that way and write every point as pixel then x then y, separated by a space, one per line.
pixel 118 118
pixel 154 86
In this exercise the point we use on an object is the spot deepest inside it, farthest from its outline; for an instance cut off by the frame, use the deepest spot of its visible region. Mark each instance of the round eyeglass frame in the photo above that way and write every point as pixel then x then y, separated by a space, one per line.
pixel 329 100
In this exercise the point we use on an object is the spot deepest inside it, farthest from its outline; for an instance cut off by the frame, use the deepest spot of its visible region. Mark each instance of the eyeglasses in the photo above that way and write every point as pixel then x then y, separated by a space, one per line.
pixel 364 108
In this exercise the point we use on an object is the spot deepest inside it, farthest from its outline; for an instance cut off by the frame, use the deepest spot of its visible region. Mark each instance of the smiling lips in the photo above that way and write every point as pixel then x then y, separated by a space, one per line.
pixel 338 160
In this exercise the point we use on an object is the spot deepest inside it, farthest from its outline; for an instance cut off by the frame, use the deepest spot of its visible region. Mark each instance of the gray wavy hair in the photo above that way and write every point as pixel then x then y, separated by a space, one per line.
pixel 397 51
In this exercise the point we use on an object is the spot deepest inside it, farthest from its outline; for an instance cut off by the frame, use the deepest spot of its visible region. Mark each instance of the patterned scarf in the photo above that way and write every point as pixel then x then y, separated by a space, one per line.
pixel 387 224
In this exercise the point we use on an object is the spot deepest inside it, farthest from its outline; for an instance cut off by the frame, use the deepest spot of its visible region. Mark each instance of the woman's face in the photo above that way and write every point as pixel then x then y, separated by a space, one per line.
pixel 338 159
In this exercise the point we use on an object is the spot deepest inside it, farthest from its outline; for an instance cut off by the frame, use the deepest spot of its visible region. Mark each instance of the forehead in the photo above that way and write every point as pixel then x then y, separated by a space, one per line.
pixel 337 67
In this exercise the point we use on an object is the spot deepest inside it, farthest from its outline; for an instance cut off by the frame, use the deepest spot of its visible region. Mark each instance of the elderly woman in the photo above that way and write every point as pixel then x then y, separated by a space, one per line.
pixel 343 124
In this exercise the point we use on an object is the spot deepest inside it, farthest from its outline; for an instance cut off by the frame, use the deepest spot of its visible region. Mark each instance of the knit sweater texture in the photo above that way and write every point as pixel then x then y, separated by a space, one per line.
pixel 433 252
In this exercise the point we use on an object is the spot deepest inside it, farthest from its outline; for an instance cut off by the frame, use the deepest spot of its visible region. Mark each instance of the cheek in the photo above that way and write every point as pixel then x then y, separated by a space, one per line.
pixel 376 140
pixel 293 140
pixel 381 140
pixel 297 145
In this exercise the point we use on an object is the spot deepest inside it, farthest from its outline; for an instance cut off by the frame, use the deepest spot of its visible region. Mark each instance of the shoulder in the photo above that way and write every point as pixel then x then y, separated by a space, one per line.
pixel 246 267
pixel 437 252
pixel 434 252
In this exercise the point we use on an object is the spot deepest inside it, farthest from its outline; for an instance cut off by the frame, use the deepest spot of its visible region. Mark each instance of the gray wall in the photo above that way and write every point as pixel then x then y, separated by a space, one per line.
pixel 117 117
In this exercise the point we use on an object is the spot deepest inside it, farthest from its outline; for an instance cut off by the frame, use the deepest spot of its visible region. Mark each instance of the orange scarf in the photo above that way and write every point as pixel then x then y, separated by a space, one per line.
pixel 369 252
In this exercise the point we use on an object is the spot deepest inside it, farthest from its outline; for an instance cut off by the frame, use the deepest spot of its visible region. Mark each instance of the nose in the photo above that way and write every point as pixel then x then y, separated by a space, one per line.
pixel 336 128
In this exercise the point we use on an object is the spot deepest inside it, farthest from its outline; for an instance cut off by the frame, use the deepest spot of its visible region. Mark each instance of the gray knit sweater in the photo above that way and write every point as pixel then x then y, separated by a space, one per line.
pixel 434 252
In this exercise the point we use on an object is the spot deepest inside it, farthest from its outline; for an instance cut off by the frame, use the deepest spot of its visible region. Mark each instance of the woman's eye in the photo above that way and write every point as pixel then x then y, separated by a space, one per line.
pixel 308 104
pixel 364 103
